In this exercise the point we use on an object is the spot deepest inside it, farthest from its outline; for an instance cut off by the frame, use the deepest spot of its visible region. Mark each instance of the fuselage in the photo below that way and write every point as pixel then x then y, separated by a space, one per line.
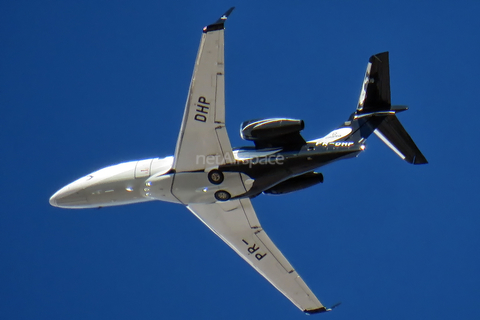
pixel 119 184
pixel 251 172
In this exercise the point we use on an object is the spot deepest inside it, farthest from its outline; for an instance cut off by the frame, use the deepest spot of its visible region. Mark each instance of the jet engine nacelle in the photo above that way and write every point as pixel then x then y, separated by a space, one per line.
pixel 296 183
pixel 269 128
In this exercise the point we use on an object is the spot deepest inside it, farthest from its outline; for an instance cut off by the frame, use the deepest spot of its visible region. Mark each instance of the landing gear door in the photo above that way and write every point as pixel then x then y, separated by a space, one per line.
pixel 142 169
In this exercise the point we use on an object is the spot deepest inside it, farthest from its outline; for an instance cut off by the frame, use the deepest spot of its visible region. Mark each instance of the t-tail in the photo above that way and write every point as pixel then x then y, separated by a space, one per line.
pixel 375 113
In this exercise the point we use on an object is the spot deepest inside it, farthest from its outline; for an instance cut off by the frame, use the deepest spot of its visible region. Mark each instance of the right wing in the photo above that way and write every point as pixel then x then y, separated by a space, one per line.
pixel 236 223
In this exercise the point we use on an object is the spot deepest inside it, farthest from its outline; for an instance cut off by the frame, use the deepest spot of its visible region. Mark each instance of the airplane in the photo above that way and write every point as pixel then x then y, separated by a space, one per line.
pixel 216 182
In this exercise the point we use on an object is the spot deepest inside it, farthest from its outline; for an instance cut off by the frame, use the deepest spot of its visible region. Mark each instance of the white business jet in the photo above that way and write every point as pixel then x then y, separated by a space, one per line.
pixel 215 182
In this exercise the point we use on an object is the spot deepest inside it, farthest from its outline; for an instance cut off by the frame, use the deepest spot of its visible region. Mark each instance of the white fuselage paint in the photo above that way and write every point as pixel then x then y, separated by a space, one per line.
pixel 119 184
pixel 333 136
pixel 247 154
pixel 146 180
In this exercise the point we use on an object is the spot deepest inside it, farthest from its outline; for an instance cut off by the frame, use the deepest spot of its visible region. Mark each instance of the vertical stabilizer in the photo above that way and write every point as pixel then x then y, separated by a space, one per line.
pixel 375 94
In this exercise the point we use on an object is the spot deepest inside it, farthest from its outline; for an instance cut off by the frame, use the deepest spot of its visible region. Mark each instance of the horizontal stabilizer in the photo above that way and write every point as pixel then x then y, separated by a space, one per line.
pixel 392 133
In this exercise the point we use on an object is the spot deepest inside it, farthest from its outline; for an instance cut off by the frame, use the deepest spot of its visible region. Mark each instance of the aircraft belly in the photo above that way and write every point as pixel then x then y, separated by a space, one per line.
pixel 104 195
pixel 160 188
pixel 194 187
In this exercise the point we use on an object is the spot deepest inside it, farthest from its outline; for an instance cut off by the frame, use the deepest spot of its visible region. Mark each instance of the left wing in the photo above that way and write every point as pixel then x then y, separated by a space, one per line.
pixel 236 223
pixel 203 132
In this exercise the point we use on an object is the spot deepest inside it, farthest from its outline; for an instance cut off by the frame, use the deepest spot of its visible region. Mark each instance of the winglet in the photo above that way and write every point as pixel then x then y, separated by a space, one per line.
pixel 322 309
pixel 319 310
pixel 219 24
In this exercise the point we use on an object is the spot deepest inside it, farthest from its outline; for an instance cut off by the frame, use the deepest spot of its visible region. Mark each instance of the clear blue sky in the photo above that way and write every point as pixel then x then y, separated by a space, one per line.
pixel 87 84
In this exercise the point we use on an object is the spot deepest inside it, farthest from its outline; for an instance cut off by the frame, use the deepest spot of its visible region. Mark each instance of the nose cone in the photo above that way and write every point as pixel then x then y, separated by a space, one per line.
pixel 69 197
pixel 53 201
